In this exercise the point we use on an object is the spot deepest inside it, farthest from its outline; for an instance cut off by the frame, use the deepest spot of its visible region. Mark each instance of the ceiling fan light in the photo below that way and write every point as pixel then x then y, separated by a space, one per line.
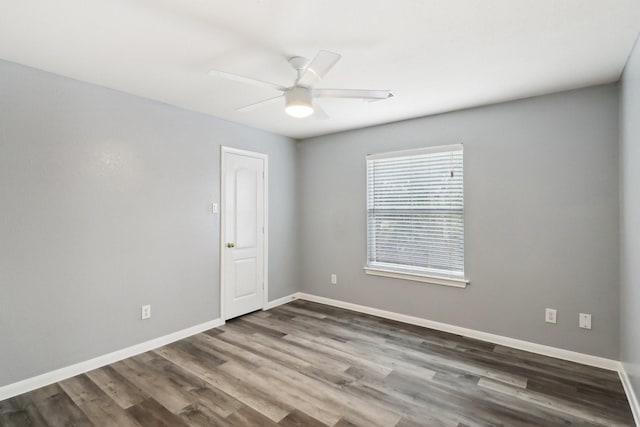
pixel 299 111
pixel 298 102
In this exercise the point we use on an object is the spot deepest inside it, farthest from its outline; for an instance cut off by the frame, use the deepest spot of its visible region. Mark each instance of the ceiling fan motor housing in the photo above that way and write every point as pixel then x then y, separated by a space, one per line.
pixel 298 101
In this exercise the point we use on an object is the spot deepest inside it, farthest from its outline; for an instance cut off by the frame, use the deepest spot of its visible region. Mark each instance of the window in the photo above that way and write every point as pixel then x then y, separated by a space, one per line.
pixel 415 215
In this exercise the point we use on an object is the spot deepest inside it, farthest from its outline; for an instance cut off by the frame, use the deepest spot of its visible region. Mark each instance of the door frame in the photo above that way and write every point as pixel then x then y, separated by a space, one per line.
pixel 224 150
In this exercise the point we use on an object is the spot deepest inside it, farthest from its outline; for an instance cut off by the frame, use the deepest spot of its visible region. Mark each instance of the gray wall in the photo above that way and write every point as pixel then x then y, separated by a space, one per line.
pixel 541 206
pixel 104 199
pixel 630 218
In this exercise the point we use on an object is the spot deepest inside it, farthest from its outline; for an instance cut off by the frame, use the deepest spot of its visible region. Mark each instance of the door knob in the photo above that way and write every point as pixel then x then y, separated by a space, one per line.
pixel 230 245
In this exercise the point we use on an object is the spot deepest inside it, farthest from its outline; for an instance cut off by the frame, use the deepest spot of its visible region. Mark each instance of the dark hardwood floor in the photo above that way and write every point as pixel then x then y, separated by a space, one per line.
pixel 307 364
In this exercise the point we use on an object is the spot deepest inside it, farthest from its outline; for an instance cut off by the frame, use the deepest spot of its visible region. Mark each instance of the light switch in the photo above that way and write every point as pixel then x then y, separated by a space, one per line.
pixel 585 321
pixel 214 208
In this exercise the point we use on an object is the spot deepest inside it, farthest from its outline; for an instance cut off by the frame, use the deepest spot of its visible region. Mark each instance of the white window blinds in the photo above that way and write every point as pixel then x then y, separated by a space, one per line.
pixel 415 211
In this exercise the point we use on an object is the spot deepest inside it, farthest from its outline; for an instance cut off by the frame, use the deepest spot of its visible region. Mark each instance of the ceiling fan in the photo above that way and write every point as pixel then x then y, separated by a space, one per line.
pixel 299 97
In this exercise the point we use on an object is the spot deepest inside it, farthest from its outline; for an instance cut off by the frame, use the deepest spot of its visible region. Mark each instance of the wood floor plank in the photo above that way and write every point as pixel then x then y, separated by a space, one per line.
pixel 309 355
pixel 155 384
pixel 258 400
pixel 206 394
pixel 298 311
pixel 290 326
pixel 473 405
pixel 298 418
pixel 201 416
pixel 372 412
pixel 407 406
pixel 247 416
pixel 588 414
pixel 324 348
pixel 217 401
pixel 227 350
pixel 186 354
pixel 345 423
pixel 417 400
pixel 287 393
pixel 539 368
pixel 256 344
pixel 431 361
pixel 293 344
pixel 20 411
pixel 261 401
pixel 544 379
pixel 151 413
pixel 213 332
pixel 308 364
pixel 120 389
pixel 58 408
pixel 97 405
pixel 253 328
pixel 374 354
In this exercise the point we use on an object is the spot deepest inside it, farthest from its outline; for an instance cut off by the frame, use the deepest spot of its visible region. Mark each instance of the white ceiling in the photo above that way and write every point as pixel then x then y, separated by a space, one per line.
pixel 436 55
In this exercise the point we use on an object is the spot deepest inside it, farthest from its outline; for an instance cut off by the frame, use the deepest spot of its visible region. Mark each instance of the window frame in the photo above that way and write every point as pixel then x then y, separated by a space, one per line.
pixel 407 273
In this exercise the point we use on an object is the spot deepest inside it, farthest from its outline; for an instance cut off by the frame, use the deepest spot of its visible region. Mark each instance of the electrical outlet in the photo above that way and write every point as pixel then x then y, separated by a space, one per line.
pixel 145 312
pixel 334 279
pixel 585 321
pixel 550 315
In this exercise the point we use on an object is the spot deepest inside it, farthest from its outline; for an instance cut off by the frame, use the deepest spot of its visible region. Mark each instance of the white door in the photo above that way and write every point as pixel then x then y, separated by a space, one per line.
pixel 243 232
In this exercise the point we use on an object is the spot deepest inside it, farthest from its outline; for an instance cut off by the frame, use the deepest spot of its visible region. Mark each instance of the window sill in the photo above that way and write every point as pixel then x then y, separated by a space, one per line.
pixel 417 277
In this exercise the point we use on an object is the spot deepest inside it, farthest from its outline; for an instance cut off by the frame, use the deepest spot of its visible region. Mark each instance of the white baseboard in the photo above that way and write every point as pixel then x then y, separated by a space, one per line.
pixel 280 301
pixel 631 394
pixel 45 379
pixel 585 359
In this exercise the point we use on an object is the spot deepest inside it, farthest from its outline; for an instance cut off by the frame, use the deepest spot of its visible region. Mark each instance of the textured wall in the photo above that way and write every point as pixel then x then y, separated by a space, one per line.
pixel 541 207
pixel 105 207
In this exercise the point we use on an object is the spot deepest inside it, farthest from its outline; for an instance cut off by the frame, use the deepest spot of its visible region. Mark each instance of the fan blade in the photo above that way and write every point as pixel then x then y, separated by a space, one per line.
pixel 259 104
pixel 318 68
pixel 364 94
pixel 247 80
pixel 319 113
